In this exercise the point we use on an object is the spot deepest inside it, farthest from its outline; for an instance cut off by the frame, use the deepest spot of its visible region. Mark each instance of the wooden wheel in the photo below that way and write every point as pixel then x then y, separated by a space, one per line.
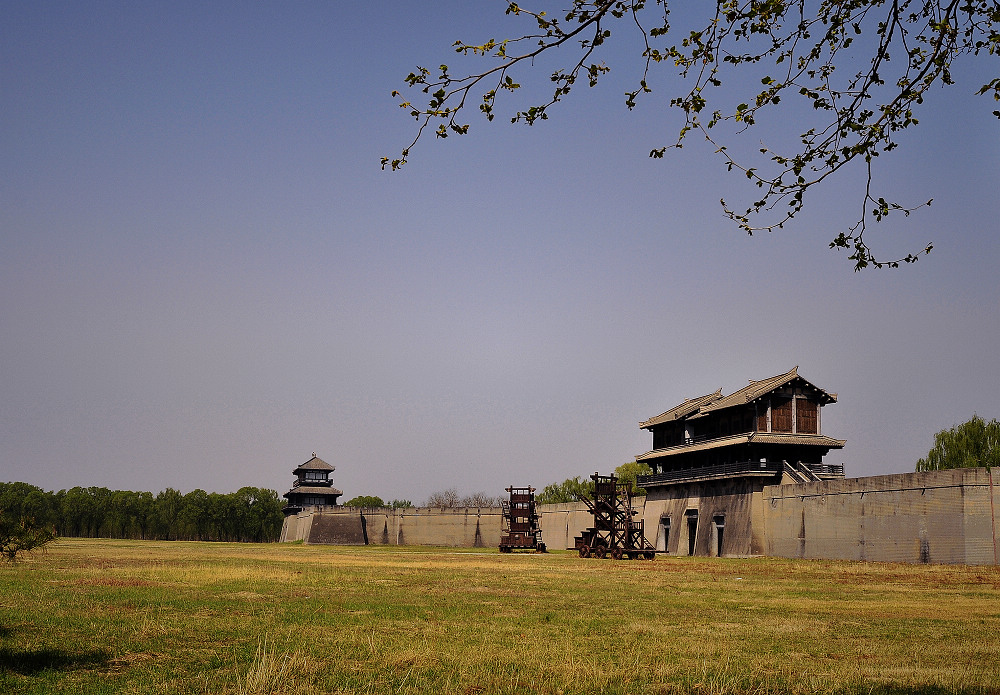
pixel 616 553
pixel 650 555
pixel 584 551
pixel 600 551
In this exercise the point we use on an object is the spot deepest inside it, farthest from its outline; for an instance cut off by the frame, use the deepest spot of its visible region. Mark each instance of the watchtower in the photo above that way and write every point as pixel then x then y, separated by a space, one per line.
pixel 313 487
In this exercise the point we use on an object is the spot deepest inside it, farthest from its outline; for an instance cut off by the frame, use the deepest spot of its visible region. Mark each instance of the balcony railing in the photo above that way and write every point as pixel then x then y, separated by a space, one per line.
pixel 313 483
pixel 826 470
pixel 735 470
pixel 722 470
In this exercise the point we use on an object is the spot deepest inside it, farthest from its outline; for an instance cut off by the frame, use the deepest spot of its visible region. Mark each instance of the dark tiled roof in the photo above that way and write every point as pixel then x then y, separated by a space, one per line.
pixel 789 438
pixel 697 446
pixel 689 406
pixel 315 464
pixel 747 438
pixel 303 490
pixel 756 389
pixel 696 407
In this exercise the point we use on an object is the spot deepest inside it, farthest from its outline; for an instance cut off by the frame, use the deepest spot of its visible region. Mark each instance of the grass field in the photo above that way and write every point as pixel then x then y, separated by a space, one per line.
pixel 93 616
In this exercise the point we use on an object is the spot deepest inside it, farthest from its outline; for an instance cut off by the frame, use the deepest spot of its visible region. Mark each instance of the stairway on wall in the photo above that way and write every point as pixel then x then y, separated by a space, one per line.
pixel 800 473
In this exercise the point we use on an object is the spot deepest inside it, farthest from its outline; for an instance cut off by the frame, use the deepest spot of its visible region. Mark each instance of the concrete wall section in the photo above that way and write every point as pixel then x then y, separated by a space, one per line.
pixel 691 516
pixel 338 528
pixel 562 523
pixel 290 529
pixel 466 528
pixel 460 527
pixel 982 524
pixel 936 516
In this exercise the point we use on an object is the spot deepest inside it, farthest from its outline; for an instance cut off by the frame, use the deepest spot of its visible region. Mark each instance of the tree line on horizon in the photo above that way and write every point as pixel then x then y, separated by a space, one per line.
pixel 30 517
pixel 570 490
pixel 447 499
pixel 376 502
pixel 250 515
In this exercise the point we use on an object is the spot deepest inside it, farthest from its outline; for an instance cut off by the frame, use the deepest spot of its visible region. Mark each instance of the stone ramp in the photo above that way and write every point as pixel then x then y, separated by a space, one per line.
pixel 338 529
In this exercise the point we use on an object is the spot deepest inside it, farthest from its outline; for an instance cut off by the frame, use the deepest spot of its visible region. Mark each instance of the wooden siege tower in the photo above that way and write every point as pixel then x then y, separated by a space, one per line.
pixel 616 531
pixel 520 529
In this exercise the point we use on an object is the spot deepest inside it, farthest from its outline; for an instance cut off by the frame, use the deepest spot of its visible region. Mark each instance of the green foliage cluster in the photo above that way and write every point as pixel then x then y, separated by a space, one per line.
pixel 578 488
pixel 19 535
pixel 972 444
pixel 444 499
pixel 628 472
pixel 569 490
pixel 249 515
pixel 854 73
pixel 376 502
pixel 367 501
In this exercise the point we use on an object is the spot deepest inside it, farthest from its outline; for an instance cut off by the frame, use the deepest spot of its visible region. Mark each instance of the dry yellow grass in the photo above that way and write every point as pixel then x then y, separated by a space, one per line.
pixel 122 616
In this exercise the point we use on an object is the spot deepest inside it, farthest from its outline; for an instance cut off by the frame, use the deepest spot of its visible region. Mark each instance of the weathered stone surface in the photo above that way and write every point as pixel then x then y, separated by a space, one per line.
pixel 562 523
pixel 738 503
pixel 934 516
pixel 460 527
pixel 337 528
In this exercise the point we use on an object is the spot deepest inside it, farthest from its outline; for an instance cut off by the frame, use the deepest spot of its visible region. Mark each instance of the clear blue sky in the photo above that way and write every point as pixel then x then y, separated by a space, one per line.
pixel 205 276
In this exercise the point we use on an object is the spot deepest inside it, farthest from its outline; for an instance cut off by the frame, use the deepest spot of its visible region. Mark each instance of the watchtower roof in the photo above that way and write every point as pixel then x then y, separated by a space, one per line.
pixel 697 407
pixel 689 406
pixel 314 464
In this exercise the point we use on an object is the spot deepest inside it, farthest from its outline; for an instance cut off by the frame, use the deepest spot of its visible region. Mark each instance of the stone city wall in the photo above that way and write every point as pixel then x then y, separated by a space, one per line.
pixel 562 523
pixel 455 527
pixel 936 516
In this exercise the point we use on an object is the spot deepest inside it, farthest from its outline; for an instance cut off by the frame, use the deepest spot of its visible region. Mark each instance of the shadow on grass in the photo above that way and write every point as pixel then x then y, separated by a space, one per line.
pixel 28 662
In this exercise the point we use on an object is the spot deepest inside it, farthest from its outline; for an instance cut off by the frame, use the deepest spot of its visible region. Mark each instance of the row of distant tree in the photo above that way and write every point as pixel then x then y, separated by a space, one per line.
pixel 578 488
pixel 376 502
pixel 569 490
pixel 452 498
pixel 443 498
pixel 250 514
